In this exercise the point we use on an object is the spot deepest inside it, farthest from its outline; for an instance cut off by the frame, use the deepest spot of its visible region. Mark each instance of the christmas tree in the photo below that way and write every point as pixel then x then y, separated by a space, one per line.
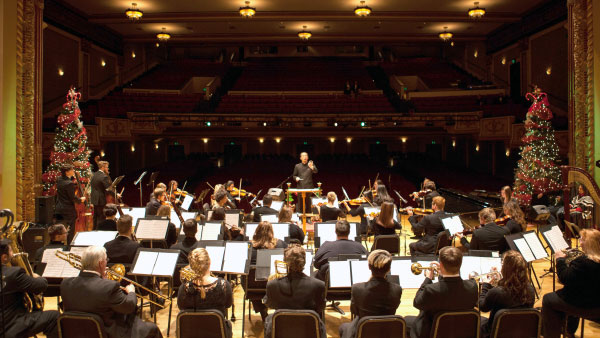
pixel 537 171
pixel 70 145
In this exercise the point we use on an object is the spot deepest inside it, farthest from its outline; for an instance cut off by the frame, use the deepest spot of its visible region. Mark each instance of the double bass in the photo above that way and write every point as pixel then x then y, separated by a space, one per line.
pixel 84 210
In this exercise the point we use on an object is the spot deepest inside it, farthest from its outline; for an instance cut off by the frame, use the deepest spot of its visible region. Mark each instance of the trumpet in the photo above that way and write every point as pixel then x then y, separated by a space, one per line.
pixel 493 276
pixel 417 268
pixel 281 270
pixel 117 273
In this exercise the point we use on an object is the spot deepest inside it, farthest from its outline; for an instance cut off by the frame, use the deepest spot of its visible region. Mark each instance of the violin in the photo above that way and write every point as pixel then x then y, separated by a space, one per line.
pixel 235 192
pixel 416 211
pixel 502 220
pixel 421 193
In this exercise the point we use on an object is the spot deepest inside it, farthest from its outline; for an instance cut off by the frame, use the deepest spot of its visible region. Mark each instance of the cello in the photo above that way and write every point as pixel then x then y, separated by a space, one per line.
pixel 84 220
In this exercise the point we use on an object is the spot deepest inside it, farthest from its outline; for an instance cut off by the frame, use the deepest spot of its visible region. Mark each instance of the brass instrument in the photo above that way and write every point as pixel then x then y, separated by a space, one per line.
pixel 417 268
pixel 572 254
pixel 117 273
pixel 493 276
pixel 281 270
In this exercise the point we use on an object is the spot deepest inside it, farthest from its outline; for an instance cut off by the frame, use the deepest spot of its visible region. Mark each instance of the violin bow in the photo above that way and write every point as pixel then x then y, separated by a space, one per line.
pixel 182 190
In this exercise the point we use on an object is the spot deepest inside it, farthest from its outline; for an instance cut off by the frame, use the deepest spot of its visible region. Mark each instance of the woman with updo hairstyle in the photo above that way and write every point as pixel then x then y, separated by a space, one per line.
pixel 205 291
pixel 514 290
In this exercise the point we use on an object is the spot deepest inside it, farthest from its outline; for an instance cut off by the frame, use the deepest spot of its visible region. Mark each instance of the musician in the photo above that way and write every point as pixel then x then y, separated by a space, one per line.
pixel 513 290
pixel 122 249
pixel 265 209
pixel 376 297
pixel 58 238
pixel 330 212
pixel 295 290
pixel 65 199
pixel 382 196
pixel 205 291
pixel 110 218
pixel 431 225
pixel 218 214
pixel 99 183
pixel 429 189
pixel 506 194
pixel 91 292
pixel 158 198
pixel 369 194
pixel 450 293
pixel 229 187
pixel 384 223
pixel 164 211
pixel 285 216
pixel 580 209
pixel 221 199
pixel 302 175
pixel 16 283
pixel 516 218
pixel 579 295
pixel 189 243
pixel 489 237
pixel 342 245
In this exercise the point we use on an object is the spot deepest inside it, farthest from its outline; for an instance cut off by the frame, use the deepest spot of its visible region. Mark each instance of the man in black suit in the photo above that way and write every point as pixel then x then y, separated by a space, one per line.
pixel 122 249
pixel 65 199
pixel 296 290
pixel 338 247
pixel 424 202
pixel 431 225
pixel 99 183
pixel 265 209
pixel 489 237
pixel 451 293
pixel 91 292
pixel 20 322
pixel 302 174
pixel 158 197
pixel 376 297
pixel 190 228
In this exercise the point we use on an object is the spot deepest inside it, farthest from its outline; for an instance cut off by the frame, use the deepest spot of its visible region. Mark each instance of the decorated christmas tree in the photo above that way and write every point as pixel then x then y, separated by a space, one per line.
pixel 537 171
pixel 70 145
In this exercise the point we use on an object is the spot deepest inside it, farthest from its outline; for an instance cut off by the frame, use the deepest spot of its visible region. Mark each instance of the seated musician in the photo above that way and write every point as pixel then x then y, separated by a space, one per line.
pixel 450 293
pixel 110 218
pixel 429 189
pixel 230 187
pixel 579 296
pixel 516 219
pixel 489 237
pixel 330 212
pixel 190 228
pixel 285 216
pixel 580 209
pixel 431 225
pixel 91 292
pixel 218 214
pixel 58 238
pixel 342 245
pixel 158 186
pixel 382 196
pixel 369 194
pixel 506 194
pixel 19 321
pixel 158 197
pixel 512 290
pixel 265 209
pixel 384 223
pixel 376 297
pixel 296 290
pixel 221 200
pixel 205 291
pixel 122 249
pixel 164 211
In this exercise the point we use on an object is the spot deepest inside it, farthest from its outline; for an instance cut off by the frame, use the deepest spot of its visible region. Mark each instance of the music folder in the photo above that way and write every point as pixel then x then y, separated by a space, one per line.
pixel 263 262
pixel 554 237
pixel 325 232
pixel 154 262
pixel 528 244
pixel 151 229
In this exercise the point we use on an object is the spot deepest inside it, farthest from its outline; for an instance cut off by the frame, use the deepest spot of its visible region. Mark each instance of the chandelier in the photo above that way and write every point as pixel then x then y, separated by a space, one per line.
pixel 163 36
pixel 476 12
pixel 304 34
pixel 362 10
pixel 134 13
pixel 445 35
pixel 247 11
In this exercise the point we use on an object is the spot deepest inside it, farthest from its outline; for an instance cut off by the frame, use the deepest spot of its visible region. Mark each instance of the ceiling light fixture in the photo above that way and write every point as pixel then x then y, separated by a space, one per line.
pixel 445 35
pixel 362 10
pixel 163 36
pixel 476 12
pixel 304 34
pixel 247 11
pixel 133 13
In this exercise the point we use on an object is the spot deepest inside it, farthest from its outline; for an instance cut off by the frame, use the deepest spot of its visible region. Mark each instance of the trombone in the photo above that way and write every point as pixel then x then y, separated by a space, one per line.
pixel 417 268
pixel 117 273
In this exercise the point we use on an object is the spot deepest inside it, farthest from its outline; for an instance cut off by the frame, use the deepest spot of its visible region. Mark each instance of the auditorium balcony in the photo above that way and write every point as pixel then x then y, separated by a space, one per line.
pixel 434 72
pixel 174 75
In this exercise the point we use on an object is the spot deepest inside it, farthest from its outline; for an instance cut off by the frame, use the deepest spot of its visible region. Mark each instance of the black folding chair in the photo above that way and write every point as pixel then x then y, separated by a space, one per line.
pixel 201 324
pixel 381 327
pixel 443 240
pixel 456 324
pixel 296 324
pixel 517 323
pixel 72 324
pixel 255 290
pixel 391 243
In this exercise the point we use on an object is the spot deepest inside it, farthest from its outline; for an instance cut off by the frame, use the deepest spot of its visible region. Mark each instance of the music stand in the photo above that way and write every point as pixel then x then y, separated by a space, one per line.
pixel 151 229
pixel 139 181
pixel 153 177
pixel 263 263
pixel 303 192
pixel 531 248
pixel 114 184
pixel 554 237
pixel 89 238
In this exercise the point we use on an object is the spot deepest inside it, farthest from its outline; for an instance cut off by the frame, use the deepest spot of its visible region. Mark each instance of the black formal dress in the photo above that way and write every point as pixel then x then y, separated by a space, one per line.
pixel 259 211
pixel 19 322
pixel 107 225
pixel 218 296
pixel 295 291
pixel 488 237
pixel 92 294
pixel 333 249
pixel 431 226
pixel 121 250
pixel 364 223
pixel 330 213
pixel 377 229
pixel 65 204
pixel 99 183
pixel 425 202
pixel 494 299
pixel 579 296
pixel 185 247
pixel 376 297
pixel 449 294
pixel 152 207
pixel 231 200
pixel 513 226
pixel 305 174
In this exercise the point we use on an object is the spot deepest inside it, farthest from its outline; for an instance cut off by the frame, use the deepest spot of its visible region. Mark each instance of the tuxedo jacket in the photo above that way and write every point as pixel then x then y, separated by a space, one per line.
pixel 121 250
pixel 100 182
pixel 488 237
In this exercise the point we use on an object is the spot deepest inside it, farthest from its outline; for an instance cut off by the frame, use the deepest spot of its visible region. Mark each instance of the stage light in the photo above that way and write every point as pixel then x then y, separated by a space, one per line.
pixel 453 143
pixel 205 140
pixel 208 123
pixel 503 61
pixel 507 152
pixel 102 153
pixel 103 63
pixel 348 139
pixel 133 55
pixel 264 124
pixel 332 139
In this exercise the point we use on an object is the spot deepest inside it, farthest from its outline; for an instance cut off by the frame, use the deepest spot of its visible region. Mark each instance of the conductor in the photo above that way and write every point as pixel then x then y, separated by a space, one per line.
pixel 303 172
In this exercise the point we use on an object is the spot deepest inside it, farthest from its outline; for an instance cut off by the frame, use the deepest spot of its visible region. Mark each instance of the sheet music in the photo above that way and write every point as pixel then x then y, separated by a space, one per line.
pixel 524 249
pixel 470 264
pixel 326 232
pixel 78 250
pixel 232 220
pixel 152 229
pixel 453 224
pixel 175 219
pixel 408 280
pixel 135 213
pixel 165 263
pixel 269 218
pixel 281 230
pixel 556 239
pixel 251 229
pixel 360 271
pixel 236 255
pixel 277 205
pixel 69 271
pixel 339 274
pixel 49 254
pixel 145 262
pixel 211 231
pixel 54 266
pixel 187 202
pixel 535 245
pixel 296 217
pixel 308 263
pixel 274 258
pixel 89 238
pixel 216 257
pixel 487 263
pixel 353 235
